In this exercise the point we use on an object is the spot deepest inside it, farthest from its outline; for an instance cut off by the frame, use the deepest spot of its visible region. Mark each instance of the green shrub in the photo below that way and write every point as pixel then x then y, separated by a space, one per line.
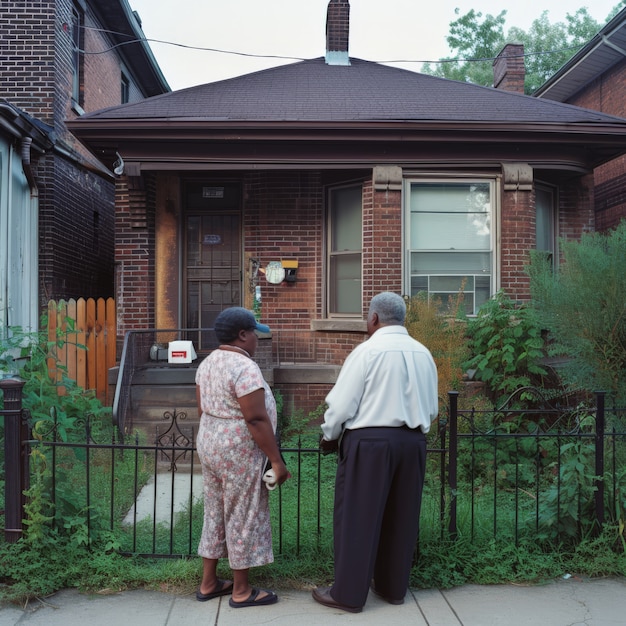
pixel 583 305
pixel 507 346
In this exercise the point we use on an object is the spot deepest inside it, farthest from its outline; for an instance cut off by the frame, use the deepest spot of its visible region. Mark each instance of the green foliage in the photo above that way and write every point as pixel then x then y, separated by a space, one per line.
pixel 446 564
pixel 475 41
pixel 562 505
pixel 68 413
pixel 442 330
pixel 507 346
pixel 584 308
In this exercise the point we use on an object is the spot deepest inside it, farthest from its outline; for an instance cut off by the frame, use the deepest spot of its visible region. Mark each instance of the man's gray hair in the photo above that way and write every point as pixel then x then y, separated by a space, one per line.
pixel 390 308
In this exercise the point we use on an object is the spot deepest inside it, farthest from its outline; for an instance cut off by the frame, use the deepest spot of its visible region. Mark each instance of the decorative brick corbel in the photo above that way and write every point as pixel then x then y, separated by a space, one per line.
pixel 387 178
pixel 517 176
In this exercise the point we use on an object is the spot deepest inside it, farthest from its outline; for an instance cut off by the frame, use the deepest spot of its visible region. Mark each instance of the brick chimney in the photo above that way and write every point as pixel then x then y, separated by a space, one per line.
pixel 508 68
pixel 337 32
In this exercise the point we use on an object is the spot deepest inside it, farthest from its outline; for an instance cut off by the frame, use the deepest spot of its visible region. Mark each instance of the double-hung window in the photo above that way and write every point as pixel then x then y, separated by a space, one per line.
pixel 344 250
pixel 545 207
pixel 450 240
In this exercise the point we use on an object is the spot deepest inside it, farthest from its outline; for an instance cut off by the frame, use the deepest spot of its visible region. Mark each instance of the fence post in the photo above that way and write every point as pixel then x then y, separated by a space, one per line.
pixel 599 479
pixel 453 396
pixel 15 458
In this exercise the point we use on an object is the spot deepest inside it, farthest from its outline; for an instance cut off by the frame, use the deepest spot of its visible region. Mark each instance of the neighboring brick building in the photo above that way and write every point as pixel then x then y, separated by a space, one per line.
pixel 595 78
pixel 369 177
pixel 58 60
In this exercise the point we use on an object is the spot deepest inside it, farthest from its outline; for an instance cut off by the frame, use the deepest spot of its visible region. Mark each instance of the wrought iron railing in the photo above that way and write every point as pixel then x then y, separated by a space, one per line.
pixel 549 474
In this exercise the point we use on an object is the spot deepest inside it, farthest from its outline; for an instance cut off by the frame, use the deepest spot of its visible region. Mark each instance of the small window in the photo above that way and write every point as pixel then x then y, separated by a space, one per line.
pixel 545 203
pixel 345 243
pixel 77 55
pixel 125 96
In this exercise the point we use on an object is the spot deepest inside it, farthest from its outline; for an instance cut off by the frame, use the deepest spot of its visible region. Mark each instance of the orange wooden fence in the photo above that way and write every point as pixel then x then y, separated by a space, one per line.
pixel 87 330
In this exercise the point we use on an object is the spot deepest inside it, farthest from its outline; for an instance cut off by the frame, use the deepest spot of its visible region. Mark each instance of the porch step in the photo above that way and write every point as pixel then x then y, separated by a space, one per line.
pixel 164 388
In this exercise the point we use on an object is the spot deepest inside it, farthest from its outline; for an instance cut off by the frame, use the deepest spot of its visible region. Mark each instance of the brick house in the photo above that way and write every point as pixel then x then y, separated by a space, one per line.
pixel 59 60
pixel 368 177
pixel 595 78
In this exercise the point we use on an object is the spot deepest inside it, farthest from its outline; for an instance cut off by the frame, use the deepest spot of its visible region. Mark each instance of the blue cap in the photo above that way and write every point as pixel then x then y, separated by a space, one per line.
pixel 230 321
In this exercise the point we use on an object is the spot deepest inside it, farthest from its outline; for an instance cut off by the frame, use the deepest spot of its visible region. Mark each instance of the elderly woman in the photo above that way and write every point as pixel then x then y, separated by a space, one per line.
pixel 236 436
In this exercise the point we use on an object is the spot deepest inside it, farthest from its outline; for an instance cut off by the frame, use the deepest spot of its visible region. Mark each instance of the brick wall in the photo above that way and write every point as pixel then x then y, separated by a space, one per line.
pixel 76 232
pixel 283 220
pixel 76 219
pixel 382 242
pixel 135 253
pixel 518 236
pixel 302 399
pixel 608 94
pixel 27 56
pixel 576 208
pixel 610 199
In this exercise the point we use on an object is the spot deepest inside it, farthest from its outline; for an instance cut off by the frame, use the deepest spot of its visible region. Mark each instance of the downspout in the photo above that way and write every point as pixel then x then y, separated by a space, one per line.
pixel 28 170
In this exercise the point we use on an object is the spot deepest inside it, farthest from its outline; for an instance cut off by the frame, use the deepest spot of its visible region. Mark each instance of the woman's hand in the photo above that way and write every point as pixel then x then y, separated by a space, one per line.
pixel 281 472
pixel 260 427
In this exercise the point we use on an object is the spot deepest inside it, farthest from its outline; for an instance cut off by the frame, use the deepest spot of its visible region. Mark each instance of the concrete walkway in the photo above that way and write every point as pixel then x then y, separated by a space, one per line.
pixel 571 602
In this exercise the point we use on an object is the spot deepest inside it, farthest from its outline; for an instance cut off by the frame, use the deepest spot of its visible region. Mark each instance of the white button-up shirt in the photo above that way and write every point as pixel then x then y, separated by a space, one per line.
pixel 388 380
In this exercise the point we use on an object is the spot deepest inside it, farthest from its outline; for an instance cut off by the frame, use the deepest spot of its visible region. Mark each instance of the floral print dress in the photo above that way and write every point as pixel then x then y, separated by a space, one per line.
pixel 236 504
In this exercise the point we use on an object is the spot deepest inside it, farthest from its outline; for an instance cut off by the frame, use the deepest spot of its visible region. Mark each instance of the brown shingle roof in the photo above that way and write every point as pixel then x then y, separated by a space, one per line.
pixel 312 91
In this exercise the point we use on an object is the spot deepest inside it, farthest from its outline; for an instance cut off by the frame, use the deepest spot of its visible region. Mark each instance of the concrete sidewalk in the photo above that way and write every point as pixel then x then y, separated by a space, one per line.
pixel 599 602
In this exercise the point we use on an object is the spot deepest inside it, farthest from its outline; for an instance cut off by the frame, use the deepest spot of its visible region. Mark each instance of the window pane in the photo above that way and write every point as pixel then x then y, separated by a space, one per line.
pixel 452 283
pixel 447 300
pixel 450 262
pixel 451 231
pixel 450 216
pixel 544 205
pixel 345 283
pixel 483 292
pixel 345 219
pixel 450 198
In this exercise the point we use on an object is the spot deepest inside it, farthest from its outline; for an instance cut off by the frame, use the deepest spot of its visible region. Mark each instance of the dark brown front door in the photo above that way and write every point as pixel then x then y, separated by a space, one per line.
pixel 212 255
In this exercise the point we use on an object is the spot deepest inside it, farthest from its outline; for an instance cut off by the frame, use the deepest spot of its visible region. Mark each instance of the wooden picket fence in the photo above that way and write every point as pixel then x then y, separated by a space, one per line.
pixel 87 329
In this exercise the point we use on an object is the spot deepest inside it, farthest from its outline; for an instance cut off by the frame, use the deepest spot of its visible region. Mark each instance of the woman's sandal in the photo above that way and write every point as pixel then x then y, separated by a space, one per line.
pixel 223 588
pixel 270 598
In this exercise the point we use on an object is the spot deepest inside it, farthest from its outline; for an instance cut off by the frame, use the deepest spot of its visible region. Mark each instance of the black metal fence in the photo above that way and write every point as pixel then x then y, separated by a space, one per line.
pixel 547 473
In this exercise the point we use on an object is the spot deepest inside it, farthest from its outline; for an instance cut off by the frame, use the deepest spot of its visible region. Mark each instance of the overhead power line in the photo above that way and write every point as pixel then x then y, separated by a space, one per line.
pixel 297 58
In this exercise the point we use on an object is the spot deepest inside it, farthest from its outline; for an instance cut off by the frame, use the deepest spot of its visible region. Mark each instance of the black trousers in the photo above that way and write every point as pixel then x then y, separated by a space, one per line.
pixel 378 494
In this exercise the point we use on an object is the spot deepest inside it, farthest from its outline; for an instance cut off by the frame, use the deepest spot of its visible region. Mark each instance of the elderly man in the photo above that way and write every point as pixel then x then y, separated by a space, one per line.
pixel 379 412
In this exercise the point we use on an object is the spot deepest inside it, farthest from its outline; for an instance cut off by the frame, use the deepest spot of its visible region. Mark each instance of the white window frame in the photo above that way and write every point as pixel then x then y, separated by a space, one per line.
pixel 493 251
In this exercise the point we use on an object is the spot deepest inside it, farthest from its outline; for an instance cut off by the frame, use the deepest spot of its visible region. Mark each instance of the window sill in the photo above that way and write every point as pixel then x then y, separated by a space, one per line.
pixel 77 108
pixel 340 325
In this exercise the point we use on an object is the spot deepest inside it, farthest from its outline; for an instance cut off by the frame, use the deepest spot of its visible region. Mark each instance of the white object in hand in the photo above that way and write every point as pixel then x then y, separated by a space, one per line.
pixel 269 478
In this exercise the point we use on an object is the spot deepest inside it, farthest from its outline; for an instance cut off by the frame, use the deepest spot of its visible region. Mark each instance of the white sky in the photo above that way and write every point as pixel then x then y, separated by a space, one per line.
pixel 380 30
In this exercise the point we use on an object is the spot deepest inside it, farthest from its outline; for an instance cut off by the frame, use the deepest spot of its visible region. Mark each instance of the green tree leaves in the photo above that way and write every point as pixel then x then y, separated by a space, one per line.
pixel 475 40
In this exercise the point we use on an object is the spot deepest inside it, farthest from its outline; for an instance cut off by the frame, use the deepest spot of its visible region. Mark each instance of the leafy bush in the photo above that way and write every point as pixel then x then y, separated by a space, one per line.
pixel 584 308
pixel 64 411
pixel 442 331
pixel 507 346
